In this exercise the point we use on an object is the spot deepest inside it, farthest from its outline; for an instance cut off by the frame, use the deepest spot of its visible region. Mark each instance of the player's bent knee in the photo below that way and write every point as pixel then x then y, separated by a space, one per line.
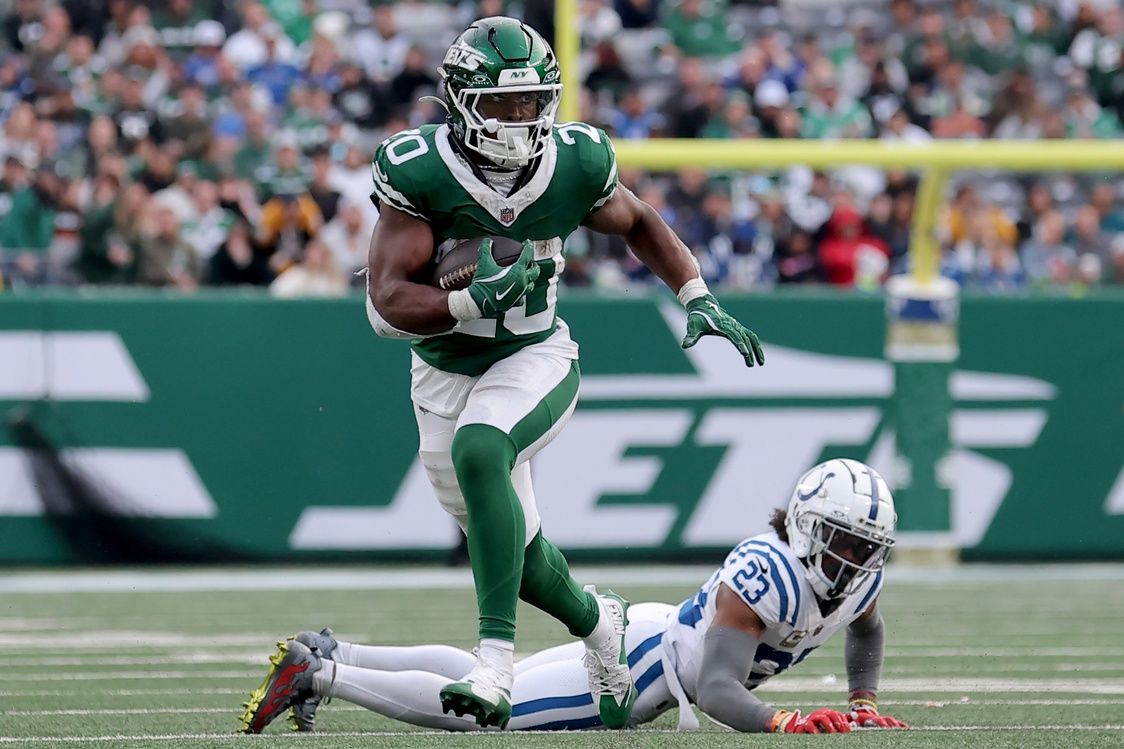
pixel 482 451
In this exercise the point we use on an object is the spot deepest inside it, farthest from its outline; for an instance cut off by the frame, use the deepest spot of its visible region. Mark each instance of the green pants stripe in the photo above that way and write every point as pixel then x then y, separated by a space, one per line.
pixel 503 569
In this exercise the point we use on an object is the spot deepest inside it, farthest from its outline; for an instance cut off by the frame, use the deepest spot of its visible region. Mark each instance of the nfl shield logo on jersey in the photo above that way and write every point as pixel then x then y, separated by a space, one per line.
pixel 507 216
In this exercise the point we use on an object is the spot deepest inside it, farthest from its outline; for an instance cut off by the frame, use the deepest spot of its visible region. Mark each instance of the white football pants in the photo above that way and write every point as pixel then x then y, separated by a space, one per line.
pixel 502 397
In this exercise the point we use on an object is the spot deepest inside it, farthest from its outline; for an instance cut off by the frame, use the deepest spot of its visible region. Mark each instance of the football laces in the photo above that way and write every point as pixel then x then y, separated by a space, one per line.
pixel 456 276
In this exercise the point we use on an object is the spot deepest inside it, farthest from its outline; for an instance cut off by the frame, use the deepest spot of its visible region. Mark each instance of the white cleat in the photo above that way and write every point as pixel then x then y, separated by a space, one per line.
pixel 610 680
pixel 485 694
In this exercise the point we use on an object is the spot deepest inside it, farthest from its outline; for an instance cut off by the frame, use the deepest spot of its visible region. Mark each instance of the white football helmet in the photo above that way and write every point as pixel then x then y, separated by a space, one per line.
pixel 840 524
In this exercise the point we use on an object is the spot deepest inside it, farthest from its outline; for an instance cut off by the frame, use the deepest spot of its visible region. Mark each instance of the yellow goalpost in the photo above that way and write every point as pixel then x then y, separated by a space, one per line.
pixel 937 159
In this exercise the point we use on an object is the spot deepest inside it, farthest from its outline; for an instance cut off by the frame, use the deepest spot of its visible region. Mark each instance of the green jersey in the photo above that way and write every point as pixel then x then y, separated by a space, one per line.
pixel 421 172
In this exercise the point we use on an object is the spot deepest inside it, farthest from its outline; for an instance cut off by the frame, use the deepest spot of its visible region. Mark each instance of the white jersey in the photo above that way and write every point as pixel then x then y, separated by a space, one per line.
pixel 765 573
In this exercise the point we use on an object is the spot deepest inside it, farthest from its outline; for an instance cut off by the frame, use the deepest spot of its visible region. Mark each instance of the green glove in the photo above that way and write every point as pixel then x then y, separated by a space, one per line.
pixel 706 317
pixel 496 289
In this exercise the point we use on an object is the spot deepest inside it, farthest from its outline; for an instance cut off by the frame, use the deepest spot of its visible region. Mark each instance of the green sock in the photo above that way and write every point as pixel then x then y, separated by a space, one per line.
pixel 547 585
pixel 483 457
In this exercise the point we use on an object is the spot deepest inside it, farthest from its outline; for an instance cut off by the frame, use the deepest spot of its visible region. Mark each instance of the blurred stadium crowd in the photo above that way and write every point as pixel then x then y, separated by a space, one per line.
pixel 196 142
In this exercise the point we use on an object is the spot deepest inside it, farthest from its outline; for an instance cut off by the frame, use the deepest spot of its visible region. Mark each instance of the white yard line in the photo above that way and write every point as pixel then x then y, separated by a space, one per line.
pixel 974 702
pixel 252 649
pixel 125 639
pixel 963 701
pixel 919 684
pixel 941 685
pixel 993 668
pixel 229 737
pixel 923 651
pixel 405 734
pixel 256 655
pixel 247 659
pixel 133 675
pixel 122 711
pixel 1080 727
pixel 117 692
pixel 190 737
pixel 356 708
pixel 350 578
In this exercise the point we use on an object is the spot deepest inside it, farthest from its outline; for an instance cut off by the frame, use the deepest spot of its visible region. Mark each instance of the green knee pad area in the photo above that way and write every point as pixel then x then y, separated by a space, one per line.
pixel 503 571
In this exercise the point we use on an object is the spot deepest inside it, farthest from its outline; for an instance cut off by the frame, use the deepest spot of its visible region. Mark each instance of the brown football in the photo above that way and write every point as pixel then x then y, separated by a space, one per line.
pixel 456 259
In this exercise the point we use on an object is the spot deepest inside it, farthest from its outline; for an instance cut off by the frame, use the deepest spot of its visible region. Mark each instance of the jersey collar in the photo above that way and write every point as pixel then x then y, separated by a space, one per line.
pixel 505 210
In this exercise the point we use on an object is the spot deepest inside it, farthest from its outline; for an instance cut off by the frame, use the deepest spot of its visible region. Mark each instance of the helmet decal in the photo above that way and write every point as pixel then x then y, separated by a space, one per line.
pixel 814 492
pixel 515 77
pixel 462 56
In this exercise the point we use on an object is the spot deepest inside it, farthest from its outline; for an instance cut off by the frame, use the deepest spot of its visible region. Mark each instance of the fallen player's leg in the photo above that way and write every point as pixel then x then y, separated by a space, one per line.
pixel 550 689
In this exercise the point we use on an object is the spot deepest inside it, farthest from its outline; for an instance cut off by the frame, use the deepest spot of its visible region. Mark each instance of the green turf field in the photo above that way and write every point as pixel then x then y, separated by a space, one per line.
pixel 1007 657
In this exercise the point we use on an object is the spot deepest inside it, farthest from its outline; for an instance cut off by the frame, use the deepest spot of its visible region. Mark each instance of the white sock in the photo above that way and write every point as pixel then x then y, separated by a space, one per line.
pixel 409 696
pixel 499 654
pixel 603 632
pixel 443 660
pixel 324 679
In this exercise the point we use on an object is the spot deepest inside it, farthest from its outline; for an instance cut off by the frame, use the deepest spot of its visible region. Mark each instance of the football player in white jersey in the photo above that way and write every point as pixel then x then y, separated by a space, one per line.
pixel 776 598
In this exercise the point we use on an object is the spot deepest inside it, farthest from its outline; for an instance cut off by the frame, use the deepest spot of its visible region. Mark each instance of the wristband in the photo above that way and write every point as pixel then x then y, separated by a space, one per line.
pixel 692 290
pixel 780 720
pixel 462 306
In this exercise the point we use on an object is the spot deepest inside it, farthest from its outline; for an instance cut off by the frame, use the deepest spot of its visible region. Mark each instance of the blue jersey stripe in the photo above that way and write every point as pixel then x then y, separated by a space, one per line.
pixel 640 650
pixel 551 703
pixel 688 614
pixel 646 679
pixel 870 593
pixel 572 724
pixel 791 577
pixel 691 612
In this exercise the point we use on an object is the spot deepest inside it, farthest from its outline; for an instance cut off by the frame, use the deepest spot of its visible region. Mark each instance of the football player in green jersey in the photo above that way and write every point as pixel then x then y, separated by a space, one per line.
pixel 495 372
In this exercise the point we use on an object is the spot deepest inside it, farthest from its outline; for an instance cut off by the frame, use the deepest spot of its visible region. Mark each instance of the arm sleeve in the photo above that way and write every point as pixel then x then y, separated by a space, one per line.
pixel 862 653
pixel 721 692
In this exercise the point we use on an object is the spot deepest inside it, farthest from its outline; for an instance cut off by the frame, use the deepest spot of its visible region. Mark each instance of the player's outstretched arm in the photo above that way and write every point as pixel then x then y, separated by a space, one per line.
pixel 658 247
pixel 728 651
pixel 863 656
